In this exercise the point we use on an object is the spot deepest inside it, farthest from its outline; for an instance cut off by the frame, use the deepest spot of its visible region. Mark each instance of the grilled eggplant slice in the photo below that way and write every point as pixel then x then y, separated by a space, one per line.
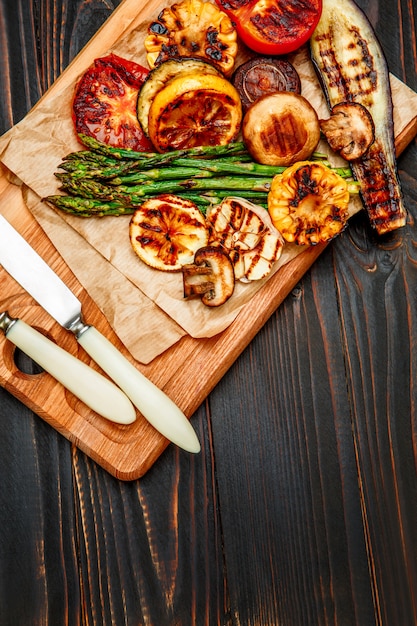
pixel 264 75
pixel 352 68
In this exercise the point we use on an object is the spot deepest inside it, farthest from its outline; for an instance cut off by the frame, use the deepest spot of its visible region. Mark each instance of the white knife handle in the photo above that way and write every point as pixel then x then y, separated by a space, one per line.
pixel 154 404
pixel 96 391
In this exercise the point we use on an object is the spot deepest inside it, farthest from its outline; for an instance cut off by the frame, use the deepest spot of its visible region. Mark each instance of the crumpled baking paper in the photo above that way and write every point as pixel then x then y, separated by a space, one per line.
pixel 145 306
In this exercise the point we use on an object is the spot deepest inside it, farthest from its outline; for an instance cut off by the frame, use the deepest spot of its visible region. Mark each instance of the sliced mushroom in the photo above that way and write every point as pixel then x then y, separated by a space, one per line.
pixel 349 130
pixel 211 277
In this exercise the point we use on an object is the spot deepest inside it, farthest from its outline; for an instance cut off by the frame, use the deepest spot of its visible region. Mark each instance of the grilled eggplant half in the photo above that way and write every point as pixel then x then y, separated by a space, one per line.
pixel 352 68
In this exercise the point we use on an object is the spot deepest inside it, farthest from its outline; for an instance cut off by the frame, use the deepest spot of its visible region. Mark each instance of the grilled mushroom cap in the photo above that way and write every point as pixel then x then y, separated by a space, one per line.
pixel 211 276
pixel 281 128
pixel 349 130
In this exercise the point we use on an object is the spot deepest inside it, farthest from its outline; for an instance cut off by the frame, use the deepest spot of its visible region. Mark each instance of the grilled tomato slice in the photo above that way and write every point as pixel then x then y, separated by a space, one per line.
pixel 194 110
pixel 308 203
pixel 166 231
pixel 273 26
pixel 192 28
pixel 104 103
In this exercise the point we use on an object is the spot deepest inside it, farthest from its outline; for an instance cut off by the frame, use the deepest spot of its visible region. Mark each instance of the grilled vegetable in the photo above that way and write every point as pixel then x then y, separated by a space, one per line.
pixel 210 277
pixel 166 231
pixel 273 26
pixel 281 128
pixel 246 232
pixel 194 110
pixel 264 75
pixel 113 181
pixel 308 203
pixel 192 28
pixel 352 68
pixel 349 130
pixel 159 77
pixel 104 103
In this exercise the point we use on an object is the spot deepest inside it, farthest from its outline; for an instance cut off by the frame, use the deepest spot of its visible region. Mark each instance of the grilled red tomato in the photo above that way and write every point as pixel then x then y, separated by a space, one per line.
pixel 273 26
pixel 104 104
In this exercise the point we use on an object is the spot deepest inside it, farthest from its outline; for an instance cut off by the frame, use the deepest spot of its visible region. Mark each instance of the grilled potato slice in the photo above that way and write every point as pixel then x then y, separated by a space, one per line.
pixel 159 77
pixel 192 28
pixel 166 231
pixel 308 203
pixel 246 232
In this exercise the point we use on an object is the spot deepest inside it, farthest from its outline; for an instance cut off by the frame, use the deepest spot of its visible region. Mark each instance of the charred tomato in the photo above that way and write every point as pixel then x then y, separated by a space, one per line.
pixel 273 27
pixel 104 103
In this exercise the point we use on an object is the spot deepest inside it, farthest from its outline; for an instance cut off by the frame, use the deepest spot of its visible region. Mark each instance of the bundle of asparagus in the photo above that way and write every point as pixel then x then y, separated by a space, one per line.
pixel 103 180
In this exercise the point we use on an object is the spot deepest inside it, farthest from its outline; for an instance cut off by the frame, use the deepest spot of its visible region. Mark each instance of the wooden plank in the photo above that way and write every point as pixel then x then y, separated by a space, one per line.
pixel 187 372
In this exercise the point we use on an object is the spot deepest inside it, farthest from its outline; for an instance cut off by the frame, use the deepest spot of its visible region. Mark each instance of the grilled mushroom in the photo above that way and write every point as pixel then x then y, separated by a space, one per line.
pixel 349 130
pixel 211 277
pixel 281 128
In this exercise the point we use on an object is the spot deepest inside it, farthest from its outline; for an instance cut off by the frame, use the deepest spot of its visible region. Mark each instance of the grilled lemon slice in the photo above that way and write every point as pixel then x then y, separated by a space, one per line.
pixel 192 28
pixel 308 203
pixel 194 110
pixel 166 231
pixel 159 77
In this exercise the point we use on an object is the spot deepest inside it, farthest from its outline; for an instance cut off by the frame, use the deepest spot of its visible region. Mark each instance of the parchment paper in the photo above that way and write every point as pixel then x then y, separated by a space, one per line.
pixel 145 307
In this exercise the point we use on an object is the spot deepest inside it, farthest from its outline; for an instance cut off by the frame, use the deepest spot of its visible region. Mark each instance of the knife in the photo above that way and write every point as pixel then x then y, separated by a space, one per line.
pixel 21 261
pixel 96 391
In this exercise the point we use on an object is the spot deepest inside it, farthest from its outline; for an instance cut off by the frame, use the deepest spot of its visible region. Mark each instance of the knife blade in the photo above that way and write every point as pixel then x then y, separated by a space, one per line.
pixel 96 391
pixel 28 268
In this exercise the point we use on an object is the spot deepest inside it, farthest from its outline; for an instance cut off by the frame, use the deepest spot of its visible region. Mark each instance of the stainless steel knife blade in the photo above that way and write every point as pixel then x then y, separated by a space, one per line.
pixel 28 268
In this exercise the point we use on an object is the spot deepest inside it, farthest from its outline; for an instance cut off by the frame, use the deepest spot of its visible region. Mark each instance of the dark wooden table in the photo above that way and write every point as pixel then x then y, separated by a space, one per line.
pixel 301 509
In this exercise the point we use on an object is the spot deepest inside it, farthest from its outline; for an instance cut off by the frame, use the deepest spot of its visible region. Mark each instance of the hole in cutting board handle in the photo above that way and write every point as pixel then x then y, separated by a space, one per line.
pixel 25 364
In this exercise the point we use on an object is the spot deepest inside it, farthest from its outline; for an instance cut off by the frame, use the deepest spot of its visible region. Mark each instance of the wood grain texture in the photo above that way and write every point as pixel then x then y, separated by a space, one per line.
pixel 127 453
pixel 301 509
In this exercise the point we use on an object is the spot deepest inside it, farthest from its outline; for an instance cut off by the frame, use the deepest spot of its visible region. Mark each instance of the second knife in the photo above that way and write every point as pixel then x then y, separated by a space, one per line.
pixel 24 264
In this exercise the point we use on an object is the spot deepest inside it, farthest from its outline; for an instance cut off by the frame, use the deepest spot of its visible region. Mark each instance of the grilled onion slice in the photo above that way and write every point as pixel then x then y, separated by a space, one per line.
pixel 246 232
pixel 264 75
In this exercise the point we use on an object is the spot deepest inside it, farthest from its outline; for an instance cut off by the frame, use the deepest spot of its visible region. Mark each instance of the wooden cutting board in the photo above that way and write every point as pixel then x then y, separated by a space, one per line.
pixel 187 372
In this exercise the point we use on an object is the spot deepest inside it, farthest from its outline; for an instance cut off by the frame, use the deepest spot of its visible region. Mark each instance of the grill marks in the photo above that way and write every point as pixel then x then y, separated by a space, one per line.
pixel 284 135
pixel 354 77
pixel 352 68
